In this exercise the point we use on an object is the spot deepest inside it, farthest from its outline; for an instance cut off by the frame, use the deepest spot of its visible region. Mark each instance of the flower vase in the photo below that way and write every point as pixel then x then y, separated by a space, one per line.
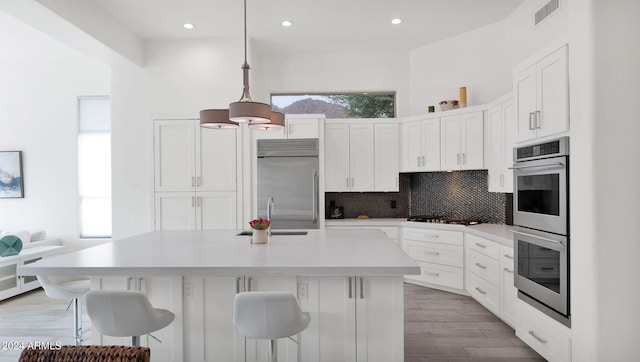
pixel 260 236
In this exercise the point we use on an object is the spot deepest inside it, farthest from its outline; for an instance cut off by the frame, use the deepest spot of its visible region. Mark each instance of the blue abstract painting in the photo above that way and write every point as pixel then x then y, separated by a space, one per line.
pixel 11 183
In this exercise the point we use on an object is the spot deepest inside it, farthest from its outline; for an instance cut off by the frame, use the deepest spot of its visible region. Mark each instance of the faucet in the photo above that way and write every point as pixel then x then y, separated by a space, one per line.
pixel 270 205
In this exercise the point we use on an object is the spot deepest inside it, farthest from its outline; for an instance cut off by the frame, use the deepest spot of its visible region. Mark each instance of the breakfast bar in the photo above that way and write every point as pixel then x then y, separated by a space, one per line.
pixel 350 281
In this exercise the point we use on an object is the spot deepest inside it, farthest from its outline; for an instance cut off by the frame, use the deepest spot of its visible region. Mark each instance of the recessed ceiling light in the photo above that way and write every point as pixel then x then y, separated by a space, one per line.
pixel 396 21
pixel 188 26
pixel 287 23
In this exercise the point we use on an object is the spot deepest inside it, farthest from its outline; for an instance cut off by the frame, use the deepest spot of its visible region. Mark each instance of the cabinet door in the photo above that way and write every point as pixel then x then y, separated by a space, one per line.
pixel 165 293
pixel 525 89
pixel 450 157
pixel 331 335
pixel 216 159
pixel 337 157
pixel 209 333
pixel 8 280
pixel 471 141
pixel 361 157
pixel 553 93
pixel 216 210
pixel 174 153
pixel 380 319
pixel 387 157
pixel 496 156
pixel 302 128
pixel 175 211
pixel 412 146
pixel 508 291
pixel 509 121
pixel 431 145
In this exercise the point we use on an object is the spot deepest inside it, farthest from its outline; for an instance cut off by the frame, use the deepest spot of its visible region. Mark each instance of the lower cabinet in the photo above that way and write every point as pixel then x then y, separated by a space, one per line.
pixel 547 337
pixel 10 283
pixel 508 291
pixel 353 319
pixel 195 210
pixel 164 293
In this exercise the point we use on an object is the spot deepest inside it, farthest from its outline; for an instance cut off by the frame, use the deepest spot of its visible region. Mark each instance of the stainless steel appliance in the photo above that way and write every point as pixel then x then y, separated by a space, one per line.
pixel 433 219
pixel 541 217
pixel 288 190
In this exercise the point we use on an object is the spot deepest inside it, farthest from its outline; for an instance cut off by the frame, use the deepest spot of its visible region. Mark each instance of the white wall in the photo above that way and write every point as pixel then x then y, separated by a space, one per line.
pixel 41 80
pixel 482 59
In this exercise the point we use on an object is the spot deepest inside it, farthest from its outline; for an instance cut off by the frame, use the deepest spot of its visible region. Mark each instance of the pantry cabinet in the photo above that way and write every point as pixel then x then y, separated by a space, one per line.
pixel 462 138
pixel 541 95
pixel 420 145
pixel 501 124
pixel 195 211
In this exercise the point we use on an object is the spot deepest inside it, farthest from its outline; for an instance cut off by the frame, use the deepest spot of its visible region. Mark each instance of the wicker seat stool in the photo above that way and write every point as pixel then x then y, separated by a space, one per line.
pixel 87 354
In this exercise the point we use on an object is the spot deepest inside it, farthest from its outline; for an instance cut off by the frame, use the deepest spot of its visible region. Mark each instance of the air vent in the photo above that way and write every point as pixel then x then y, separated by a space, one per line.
pixel 288 148
pixel 546 10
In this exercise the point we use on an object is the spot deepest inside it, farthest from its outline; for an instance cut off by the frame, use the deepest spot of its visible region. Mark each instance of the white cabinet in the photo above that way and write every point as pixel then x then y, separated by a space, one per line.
pixel 483 271
pixel 353 319
pixel 387 157
pixel 439 253
pixel 501 124
pixel 508 291
pixel 462 140
pixel 10 283
pixel 541 94
pixel 194 176
pixel 195 211
pixel 546 336
pixel 164 293
pixel 296 126
pixel 421 145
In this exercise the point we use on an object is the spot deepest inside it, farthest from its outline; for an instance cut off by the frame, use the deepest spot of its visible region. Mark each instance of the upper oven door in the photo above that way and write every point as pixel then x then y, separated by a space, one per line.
pixel 540 194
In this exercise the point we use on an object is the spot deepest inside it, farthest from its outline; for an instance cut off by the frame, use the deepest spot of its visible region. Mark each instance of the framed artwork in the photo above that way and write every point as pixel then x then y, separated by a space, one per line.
pixel 11 181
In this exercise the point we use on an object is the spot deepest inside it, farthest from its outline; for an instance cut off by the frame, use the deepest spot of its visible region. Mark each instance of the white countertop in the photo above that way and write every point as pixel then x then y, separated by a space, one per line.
pixel 222 252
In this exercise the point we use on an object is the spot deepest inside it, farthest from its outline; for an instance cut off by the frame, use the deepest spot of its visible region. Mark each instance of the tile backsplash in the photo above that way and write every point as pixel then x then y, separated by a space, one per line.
pixel 458 194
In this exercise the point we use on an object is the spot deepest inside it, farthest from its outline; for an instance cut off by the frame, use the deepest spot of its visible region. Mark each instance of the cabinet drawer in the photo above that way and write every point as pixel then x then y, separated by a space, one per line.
pixel 484 292
pixel 435 253
pixel 433 235
pixel 543 334
pixel 483 246
pixel 484 267
pixel 445 275
pixel 506 256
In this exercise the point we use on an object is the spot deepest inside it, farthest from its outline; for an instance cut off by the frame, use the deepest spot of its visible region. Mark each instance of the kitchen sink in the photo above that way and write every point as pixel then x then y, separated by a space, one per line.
pixel 275 233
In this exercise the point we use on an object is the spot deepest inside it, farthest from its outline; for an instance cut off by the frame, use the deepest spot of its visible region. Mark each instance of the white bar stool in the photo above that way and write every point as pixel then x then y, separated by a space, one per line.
pixel 125 314
pixel 269 315
pixel 73 288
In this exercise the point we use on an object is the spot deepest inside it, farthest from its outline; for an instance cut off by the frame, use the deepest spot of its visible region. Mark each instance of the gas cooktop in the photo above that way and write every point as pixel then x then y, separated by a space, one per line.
pixel 442 220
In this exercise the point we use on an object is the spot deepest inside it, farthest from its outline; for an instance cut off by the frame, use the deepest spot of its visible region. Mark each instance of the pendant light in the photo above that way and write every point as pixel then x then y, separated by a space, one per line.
pixel 276 124
pixel 246 110
pixel 216 118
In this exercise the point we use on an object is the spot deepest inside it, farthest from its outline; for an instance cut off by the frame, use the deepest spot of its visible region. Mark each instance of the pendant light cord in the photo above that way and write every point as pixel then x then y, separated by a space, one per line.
pixel 245 31
pixel 246 97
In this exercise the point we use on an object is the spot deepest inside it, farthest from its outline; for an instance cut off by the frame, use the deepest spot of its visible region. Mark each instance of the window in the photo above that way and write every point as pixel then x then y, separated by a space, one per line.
pixel 94 166
pixel 339 105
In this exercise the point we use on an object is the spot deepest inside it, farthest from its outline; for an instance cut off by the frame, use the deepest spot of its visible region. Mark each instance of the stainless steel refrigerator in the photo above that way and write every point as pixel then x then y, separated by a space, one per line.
pixel 288 175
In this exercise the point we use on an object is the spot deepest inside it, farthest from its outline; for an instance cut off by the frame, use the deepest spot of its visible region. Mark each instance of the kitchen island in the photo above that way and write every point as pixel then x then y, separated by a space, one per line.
pixel 350 281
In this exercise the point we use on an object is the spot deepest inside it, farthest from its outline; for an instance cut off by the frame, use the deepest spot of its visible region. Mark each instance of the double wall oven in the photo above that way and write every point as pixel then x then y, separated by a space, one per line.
pixel 541 220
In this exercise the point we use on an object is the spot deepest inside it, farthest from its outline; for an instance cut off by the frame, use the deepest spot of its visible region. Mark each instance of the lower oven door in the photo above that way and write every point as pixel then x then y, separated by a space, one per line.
pixel 542 270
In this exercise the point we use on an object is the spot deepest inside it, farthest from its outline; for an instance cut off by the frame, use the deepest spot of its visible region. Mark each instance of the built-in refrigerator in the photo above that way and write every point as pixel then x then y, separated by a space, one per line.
pixel 287 171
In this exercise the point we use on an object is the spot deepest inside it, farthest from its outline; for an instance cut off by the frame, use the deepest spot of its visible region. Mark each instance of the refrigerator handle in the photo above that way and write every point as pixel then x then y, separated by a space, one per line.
pixel 315 197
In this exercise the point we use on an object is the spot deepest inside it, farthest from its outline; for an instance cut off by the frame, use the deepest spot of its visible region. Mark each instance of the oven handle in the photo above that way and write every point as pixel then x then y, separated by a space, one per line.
pixel 559 164
pixel 556 242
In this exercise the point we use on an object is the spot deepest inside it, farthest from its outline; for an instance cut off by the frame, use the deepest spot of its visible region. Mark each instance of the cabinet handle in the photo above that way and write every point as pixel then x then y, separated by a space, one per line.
pixel 481 266
pixel 533 334
pixel 129 283
pixel 352 183
pixel 431 273
pixel 193 201
pixel 288 129
pixel 350 289
pixel 457 158
pixel 198 200
pixel 142 285
pixel 481 291
pixel 249 282
pixel 464 158
pixel 508 270
pixel 508 256
pixel 538 120
pixel 431 253
pixel 531 124
pixel 424 163
pixel 501 180
pixel 238 285
pixel 431 235
pixel 481 245
pixel 198 182
pixel 193 181
pixel 347 182
pixel 361 288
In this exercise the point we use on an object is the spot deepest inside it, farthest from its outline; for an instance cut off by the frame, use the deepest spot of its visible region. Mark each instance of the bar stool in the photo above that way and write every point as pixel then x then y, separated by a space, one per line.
pixel 125 314
pixel 269 315
pixel 73 288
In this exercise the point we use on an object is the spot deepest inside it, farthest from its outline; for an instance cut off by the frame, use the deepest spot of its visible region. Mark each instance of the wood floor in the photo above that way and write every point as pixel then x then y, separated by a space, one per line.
pixel 439 326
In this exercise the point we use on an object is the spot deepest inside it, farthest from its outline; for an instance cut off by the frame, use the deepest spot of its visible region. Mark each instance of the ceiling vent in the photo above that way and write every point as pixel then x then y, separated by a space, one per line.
pixel 546 10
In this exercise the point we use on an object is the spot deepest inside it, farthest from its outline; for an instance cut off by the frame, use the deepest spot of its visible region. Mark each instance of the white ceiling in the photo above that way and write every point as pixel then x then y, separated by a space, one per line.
pixel 319 25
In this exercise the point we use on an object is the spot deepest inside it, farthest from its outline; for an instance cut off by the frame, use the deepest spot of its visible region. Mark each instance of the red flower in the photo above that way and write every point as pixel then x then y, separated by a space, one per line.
pixel 259 224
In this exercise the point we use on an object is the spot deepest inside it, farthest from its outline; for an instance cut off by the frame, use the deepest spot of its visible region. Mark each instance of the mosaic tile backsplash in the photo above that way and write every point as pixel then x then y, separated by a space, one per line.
pixel 460 194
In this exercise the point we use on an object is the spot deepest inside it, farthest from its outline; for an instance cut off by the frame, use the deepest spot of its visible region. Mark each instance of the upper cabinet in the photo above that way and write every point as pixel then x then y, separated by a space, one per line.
pixel 462 141
pixel 501 124
pixel 361 155
pixel 296 126
pixel 420 145
pixel 191 158
pixel 541 94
